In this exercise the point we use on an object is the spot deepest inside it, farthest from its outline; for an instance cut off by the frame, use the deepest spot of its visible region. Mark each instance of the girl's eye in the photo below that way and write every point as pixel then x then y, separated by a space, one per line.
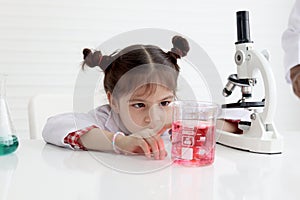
pixel 165 103
pixel 138 105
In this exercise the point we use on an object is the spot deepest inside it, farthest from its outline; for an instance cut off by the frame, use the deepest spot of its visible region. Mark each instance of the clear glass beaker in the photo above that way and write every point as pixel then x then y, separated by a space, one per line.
pixel 193 133
pixel 8 140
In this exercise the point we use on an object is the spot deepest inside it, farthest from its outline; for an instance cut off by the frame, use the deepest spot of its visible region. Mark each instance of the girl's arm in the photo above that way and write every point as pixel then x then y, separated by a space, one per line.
pixel 228 126
pixel 58 127
pixel 98 140
pixel 101 140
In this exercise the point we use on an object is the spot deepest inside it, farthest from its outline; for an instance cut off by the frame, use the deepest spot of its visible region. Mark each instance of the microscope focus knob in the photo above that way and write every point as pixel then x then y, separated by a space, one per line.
pixel 239 57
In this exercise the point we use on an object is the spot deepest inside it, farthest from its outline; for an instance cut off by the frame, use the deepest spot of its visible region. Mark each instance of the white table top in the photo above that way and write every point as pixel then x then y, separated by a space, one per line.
pixel 42 171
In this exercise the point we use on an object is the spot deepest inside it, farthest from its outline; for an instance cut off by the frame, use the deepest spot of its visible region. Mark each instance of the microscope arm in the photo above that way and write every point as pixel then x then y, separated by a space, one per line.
pixel 257 61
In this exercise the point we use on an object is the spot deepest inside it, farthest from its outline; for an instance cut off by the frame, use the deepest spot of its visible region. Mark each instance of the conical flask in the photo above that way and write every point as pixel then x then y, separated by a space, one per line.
pixel 8 140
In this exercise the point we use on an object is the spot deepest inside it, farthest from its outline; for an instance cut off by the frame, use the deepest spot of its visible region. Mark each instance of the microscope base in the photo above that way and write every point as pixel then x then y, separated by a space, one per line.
pixel 251 144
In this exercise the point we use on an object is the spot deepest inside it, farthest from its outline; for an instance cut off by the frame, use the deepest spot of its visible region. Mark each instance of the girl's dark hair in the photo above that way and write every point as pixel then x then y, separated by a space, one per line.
pixel 117 65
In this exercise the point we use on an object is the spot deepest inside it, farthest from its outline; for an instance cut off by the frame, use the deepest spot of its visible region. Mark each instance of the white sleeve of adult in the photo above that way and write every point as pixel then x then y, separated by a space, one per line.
pixel 291 41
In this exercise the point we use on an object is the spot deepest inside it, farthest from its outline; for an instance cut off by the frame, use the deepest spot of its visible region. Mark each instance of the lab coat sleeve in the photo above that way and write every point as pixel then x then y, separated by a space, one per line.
pixel 291 41
pixel 59 126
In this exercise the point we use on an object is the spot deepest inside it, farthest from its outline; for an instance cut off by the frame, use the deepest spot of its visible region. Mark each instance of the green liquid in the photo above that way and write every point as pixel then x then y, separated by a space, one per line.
pixel 8 145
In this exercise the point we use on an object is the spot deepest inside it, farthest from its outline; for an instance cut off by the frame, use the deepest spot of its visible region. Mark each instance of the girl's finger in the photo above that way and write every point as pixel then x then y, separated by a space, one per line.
pixel 161 147
pixel 154 146
pixel 144 146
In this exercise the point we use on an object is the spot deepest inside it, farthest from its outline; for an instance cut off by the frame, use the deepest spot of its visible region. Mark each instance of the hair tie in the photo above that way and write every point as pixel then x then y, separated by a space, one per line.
pixel 100 60
pixel 177 51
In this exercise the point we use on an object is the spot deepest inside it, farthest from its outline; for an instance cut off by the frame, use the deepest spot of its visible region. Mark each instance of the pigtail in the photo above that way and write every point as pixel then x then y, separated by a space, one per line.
pixel 93 59
pixel 180 48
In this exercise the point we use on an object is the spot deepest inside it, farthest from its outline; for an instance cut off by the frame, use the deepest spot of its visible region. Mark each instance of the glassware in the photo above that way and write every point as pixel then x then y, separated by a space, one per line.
pixel 8 166
pixel 8 140
pixel 193 133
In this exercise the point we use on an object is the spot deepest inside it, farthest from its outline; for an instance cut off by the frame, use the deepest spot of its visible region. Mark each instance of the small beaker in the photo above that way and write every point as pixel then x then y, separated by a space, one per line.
pixel 193 133
pixel 8 140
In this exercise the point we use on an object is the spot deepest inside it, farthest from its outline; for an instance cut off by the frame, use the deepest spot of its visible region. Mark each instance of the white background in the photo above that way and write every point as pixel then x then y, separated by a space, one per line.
pixel 41 41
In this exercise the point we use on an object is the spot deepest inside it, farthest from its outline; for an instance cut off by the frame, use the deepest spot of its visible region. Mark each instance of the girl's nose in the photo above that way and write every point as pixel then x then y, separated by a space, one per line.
pixel 155 117
pixel 147 119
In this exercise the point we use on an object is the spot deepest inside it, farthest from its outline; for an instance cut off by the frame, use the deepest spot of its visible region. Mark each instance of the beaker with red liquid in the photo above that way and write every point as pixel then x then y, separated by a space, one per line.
pixel 193 133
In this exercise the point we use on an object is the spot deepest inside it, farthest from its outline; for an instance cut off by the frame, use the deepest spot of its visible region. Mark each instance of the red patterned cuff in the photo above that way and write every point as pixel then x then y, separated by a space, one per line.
pixel 73 138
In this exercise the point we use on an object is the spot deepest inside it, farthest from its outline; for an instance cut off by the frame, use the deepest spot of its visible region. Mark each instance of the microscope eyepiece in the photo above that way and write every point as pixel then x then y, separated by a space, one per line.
pixel 243 28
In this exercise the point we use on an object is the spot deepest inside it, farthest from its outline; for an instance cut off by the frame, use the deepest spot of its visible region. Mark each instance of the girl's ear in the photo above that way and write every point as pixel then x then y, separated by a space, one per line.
pixel 112 102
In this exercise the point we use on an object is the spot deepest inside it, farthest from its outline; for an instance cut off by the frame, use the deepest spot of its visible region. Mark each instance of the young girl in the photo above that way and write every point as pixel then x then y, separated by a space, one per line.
pixel 140 82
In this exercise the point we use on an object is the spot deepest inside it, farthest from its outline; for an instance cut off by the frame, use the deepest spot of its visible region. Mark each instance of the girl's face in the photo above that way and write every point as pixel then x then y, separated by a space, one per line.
pixel 143 109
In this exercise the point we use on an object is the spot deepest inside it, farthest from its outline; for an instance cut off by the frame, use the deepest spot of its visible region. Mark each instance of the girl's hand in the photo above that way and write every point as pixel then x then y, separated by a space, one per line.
pixel 146 141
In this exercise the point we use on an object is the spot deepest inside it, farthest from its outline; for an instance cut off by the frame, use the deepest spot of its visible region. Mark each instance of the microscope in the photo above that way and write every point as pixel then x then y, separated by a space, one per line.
pixel 259 133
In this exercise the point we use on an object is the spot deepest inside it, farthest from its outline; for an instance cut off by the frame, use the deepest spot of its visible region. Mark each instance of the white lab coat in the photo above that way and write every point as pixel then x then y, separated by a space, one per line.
pixel 59 126
pixel 291 41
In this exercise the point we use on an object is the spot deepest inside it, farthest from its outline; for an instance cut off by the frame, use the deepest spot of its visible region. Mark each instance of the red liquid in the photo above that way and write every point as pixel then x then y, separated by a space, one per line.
pixel 193 145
